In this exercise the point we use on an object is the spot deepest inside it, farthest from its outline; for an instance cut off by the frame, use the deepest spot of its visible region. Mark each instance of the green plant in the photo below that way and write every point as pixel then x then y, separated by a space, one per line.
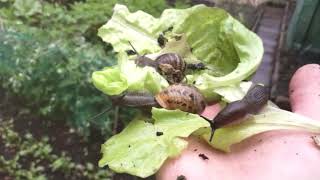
pixel 25 157
pixel 48 54
pixel 81 17
pixel 54 76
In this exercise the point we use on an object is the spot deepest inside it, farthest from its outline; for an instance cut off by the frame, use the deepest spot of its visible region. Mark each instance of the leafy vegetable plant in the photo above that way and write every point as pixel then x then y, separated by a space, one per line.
pixel 210 35
pixel 47 54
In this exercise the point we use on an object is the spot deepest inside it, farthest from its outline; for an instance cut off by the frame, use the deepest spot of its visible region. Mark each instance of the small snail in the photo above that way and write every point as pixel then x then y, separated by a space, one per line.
pixel 177 96
pixel 170 65
pixel 255 99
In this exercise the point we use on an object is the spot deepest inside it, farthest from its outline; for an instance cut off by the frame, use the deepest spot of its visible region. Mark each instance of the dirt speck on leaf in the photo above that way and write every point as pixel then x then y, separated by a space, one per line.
pixel 159 133
pixel 203 156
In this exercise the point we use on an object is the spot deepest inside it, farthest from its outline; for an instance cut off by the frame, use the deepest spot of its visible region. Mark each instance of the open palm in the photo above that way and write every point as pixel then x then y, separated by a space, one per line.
pixel 285 155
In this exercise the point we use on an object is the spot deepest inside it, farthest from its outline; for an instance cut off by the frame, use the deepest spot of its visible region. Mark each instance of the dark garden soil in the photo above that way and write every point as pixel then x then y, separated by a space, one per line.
pixel 61 138
pixel 289 63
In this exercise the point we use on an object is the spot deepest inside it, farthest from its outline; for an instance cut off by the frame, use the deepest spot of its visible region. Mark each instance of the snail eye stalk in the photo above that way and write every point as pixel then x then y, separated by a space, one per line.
pixel 133 48
pixel 212 126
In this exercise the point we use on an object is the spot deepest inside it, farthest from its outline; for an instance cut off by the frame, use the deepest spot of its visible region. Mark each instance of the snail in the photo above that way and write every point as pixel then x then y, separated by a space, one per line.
pixel 255 99
pixel 188 98
pixel 184 97
pixel 170 65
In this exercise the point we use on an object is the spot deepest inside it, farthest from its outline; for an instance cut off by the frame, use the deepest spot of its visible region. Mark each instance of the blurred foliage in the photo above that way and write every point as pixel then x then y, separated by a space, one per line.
pixel 25 157
pixel 53 76
pixel 48 50
pixel 27 8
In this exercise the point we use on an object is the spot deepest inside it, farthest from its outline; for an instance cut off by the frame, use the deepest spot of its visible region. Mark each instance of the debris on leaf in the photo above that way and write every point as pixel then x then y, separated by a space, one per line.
pixel 148 150
pixel 159 133
pixel 203 156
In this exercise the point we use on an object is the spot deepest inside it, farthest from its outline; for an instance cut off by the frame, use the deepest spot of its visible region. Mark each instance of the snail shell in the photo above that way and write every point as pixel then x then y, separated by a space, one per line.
pixel 184 97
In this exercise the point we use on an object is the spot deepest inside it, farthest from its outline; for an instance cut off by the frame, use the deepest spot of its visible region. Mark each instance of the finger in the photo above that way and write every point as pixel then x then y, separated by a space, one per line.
pixel 304 91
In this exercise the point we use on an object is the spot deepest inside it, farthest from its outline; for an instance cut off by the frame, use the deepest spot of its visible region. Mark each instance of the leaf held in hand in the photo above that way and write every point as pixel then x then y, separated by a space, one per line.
pixel 140 151
pixel 230 51
pixel 270 118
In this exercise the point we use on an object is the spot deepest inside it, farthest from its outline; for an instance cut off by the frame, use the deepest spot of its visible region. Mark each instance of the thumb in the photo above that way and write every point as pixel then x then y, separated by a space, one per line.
pixel 304 91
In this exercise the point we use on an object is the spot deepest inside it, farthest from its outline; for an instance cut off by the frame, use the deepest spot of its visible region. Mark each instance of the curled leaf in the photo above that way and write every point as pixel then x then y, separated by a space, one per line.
pixel 110 81
pixel 128 76
pixel 230 51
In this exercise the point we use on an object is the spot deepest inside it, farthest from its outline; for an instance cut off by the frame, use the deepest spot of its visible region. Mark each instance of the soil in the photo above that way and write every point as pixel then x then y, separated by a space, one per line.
pixel 60 137
pixel 289 63
pixel 59 134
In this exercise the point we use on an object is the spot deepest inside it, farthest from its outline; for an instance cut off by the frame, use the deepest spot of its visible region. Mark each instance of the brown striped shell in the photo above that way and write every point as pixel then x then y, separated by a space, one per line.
pixel 173 59
pixel 184 97
pixel 172 66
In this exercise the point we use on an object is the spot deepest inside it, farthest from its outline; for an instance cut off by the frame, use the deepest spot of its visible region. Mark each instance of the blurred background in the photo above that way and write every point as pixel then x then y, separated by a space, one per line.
pixel 49 48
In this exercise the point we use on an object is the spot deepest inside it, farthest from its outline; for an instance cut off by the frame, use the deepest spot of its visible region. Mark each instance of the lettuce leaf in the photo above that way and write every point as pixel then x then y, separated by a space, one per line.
pixel 142 147
pixel 115 80
pixel 128 76
pixel 230 51
pixel 269 118
pixel 233 92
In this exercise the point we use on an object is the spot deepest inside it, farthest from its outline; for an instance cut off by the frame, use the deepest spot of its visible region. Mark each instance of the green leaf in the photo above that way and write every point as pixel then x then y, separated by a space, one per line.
pixel 140 79
pixel 142 147
pixel 270 118
pixel 224 44
pixel 110 81
pixel 140 28
pixel 128 76
pixel 233 92
pixel 230 51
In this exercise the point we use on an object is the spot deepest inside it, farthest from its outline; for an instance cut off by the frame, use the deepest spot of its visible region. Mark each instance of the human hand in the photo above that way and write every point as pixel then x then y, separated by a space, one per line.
pixel 273 155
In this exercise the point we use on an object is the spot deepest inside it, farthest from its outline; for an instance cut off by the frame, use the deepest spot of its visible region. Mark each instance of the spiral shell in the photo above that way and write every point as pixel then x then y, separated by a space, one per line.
pixel 184 97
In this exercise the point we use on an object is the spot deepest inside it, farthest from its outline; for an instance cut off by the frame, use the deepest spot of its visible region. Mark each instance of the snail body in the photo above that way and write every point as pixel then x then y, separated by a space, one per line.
pixel 135 99
pixel 255 99
pixel 252 102
pixel 177 96
pixel 170 65
pixel 188 98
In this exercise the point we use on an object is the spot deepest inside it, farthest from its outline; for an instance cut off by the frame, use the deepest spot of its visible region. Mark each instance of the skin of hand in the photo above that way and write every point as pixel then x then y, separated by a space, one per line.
pixel 273 155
